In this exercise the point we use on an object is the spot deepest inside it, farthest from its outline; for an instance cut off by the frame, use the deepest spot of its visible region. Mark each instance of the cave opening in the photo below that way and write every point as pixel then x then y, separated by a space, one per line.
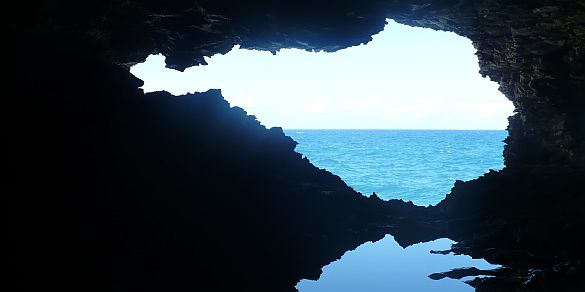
pixel 117 190
pixel 402 116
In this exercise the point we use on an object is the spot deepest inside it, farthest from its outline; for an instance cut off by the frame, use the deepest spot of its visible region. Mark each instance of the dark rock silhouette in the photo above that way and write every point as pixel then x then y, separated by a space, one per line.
pixel 463 272
pixel 110 189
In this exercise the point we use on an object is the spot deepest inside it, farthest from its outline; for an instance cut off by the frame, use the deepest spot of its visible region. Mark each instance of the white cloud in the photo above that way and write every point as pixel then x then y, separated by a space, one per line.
pixel 317 106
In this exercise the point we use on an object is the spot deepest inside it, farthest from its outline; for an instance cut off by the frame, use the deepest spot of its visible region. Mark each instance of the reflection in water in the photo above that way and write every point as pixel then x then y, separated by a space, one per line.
pixel 385 266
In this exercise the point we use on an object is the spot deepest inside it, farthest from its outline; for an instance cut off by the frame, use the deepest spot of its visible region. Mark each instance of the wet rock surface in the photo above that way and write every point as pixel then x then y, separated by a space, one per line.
pixel 115 190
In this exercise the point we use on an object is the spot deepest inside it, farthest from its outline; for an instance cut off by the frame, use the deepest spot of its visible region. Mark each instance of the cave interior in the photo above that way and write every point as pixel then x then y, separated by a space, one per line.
pixel 112 189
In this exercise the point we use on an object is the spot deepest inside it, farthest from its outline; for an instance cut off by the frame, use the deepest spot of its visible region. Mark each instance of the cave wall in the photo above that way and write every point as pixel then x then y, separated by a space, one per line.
pixel 116 190
pixel 534 50
pixel 104 179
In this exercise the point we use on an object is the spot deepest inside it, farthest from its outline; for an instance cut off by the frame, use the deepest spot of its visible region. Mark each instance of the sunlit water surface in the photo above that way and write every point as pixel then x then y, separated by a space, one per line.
pixel 414 165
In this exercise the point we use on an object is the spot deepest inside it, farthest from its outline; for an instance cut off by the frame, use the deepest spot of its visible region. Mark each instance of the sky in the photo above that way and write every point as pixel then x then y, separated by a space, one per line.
pixel 405 78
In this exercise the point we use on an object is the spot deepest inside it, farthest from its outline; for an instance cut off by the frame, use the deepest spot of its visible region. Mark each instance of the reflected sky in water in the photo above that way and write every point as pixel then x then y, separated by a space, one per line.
pixel 385 266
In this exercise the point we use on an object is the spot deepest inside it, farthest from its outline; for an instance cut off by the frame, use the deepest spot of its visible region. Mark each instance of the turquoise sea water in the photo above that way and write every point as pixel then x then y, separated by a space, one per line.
pixel 414 165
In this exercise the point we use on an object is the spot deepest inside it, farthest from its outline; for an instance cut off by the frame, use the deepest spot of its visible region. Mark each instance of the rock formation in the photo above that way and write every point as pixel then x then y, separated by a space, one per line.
pixel 115 190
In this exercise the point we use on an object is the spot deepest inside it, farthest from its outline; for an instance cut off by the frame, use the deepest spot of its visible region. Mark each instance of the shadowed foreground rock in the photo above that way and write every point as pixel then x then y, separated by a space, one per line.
pixel 114 190
pixel 152 192
pixel 528 219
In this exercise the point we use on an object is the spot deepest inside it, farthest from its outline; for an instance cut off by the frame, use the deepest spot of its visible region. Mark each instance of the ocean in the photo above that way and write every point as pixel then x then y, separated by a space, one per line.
pixel 414 165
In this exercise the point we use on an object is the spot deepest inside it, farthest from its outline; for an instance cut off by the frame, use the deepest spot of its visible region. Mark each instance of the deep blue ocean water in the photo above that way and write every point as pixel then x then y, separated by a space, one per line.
pixel 414 165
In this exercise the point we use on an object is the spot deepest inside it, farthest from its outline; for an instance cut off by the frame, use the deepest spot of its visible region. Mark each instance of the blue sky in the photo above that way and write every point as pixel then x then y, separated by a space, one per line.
pixel 406 78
